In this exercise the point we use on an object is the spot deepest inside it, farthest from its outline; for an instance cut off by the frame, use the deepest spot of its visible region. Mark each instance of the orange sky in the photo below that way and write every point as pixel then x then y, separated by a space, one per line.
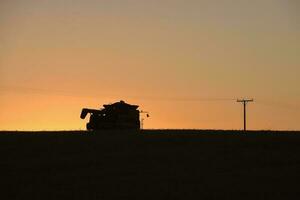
pixel 166 56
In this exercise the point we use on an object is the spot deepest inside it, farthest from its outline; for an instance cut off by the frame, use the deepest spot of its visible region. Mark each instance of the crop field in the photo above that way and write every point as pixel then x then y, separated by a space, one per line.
pixel 150 164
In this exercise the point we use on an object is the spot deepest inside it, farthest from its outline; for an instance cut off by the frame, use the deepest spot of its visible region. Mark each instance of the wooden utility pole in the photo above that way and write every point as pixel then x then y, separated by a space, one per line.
pixel 245 101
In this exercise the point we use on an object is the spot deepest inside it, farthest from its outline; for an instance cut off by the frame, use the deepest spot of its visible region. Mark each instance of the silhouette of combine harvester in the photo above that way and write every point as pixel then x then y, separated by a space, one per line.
pixel 119 115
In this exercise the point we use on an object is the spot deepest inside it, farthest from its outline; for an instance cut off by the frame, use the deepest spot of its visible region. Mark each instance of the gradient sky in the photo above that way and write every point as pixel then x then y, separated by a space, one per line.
pixel 180 60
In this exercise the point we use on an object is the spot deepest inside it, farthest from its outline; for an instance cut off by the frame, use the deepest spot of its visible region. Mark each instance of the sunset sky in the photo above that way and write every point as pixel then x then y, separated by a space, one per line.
pixel 184 61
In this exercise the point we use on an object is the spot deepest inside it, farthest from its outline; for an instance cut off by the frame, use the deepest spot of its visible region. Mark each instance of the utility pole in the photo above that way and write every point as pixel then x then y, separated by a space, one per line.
pixel 245 101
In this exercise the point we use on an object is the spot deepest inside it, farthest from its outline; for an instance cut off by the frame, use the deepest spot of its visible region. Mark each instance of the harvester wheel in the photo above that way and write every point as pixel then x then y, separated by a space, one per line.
pixel 89 127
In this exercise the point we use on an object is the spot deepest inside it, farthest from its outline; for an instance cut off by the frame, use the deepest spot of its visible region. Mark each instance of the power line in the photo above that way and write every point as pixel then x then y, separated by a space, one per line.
pixel 80 94
pixel 278 104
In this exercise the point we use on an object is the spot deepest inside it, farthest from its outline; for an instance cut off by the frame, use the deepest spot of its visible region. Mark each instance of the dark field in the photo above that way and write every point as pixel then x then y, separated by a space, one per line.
pixel 150 165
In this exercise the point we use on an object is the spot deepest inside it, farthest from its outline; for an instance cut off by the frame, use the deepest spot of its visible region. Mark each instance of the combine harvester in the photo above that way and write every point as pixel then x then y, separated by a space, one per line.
pixel 119 115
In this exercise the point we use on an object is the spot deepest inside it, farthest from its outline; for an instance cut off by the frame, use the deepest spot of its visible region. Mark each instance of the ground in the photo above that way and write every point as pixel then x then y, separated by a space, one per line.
pixel 150 164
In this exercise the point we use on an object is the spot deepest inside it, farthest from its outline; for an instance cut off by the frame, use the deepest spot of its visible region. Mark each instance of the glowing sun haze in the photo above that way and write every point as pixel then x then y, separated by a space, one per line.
pixel 179 60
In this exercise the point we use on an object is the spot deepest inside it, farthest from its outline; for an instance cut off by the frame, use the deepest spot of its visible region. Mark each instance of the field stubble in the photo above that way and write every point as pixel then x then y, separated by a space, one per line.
pixel 150 164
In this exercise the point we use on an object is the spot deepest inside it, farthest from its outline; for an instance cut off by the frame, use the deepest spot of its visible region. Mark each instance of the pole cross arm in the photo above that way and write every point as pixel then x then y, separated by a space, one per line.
pixel 244 100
